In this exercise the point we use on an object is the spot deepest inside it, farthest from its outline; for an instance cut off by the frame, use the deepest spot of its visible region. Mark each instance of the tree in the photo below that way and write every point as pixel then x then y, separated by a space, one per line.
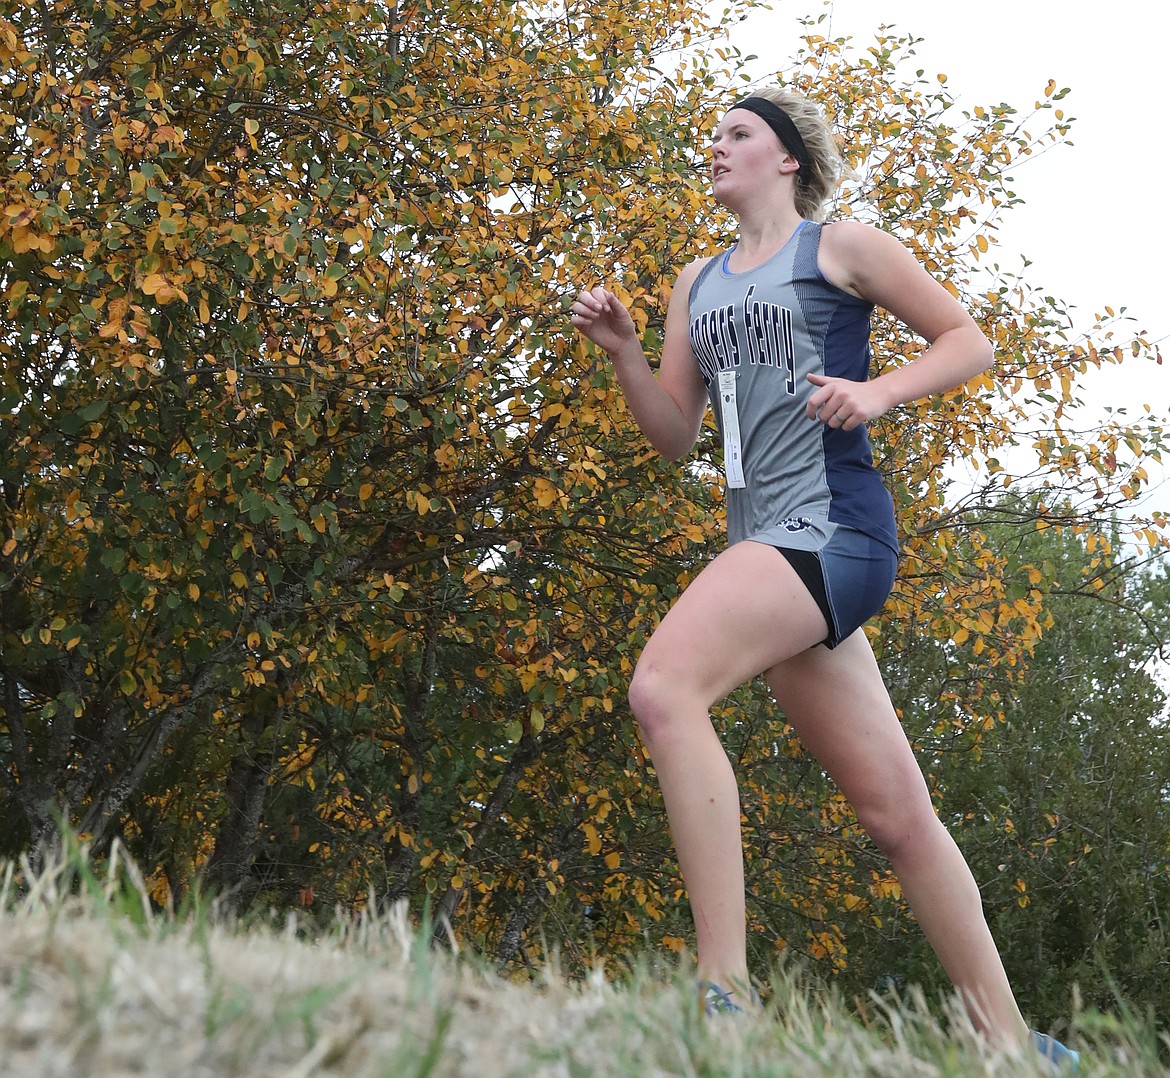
pixel 325 547
pixel 307 495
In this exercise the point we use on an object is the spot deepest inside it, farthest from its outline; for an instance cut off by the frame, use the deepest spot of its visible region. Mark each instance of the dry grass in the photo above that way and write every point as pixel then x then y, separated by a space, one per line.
pixel 93 982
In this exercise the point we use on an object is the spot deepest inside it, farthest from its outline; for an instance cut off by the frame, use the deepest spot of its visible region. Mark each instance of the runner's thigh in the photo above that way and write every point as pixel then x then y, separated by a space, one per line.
pixel 837 703
pixel 743 614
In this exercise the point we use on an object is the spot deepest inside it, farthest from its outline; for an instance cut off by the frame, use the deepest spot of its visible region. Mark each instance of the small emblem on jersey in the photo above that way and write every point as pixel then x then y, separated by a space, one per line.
pixel 796 524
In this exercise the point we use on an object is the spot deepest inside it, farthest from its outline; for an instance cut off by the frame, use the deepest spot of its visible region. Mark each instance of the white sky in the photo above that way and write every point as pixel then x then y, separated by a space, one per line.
pixel 1094 222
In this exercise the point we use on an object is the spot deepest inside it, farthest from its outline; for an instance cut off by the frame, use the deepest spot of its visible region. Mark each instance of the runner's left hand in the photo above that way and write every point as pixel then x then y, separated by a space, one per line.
pixel 843 404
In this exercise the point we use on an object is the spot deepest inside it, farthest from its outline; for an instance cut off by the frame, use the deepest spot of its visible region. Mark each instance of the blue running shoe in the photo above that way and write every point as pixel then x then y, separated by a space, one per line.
pixel 1061 1060
pixel 718 1001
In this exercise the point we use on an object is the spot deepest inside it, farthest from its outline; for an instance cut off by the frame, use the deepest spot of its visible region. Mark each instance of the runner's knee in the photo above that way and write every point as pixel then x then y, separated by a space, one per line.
pixel 657 696
pixel 645 699
pixel 898 825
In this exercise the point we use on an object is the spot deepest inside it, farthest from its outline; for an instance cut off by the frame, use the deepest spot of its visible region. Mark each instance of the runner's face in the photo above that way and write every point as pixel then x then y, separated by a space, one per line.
pixel 745 155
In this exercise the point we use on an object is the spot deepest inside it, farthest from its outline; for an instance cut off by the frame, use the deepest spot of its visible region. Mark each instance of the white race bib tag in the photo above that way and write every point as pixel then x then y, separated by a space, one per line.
pixel 732 454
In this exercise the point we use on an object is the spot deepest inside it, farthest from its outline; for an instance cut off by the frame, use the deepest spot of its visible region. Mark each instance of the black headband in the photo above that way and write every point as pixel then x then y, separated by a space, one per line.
pixel 781 123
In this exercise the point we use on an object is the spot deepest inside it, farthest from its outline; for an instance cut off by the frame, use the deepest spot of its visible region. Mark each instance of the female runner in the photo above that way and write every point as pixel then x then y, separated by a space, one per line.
pixel 774 335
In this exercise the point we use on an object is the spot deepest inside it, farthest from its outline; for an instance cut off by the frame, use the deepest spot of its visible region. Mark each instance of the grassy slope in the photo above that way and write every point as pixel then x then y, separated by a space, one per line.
pixel 93 983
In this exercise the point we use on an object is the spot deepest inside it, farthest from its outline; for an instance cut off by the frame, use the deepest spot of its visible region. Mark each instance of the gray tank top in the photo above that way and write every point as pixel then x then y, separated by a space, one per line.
pixel 770 327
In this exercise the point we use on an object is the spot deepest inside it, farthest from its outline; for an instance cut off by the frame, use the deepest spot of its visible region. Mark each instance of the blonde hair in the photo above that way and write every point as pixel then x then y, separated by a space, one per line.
pixel 826 166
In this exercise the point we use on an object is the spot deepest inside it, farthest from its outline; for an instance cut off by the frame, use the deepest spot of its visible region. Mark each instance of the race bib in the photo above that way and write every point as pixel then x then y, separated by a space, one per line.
pixel 732 451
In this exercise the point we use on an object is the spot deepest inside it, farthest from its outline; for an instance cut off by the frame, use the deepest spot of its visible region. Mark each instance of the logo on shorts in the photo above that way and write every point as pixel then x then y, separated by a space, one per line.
pixel 796 524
